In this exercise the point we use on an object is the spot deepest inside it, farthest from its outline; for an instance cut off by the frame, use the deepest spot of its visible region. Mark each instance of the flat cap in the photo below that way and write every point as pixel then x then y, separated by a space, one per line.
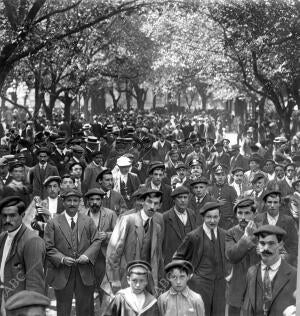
pixel 60 140
pixel 139 192
pixel 269 193
pixel 199 180
pixel 270 229
pixel 180 165
pixel 180 190
pixel 195 162
pixel 52 178
pixel 220 168
pixel 219 144
pixel 156 165
pixel 237 169
pixel 3 162
pixel 244 202
pixel 10 200
pixel 74 164
pixel 150 191
pixel 183 264
pixel 123 162
pixel 257 177
pixel 139 263
pixel 102 173
pixel 15 164
pixel 235 147
pixel 255 157
pixel 71 192
pixel 95 191
pixel 208 206
pixel 25 299
pixel 43 150
pixel 77 149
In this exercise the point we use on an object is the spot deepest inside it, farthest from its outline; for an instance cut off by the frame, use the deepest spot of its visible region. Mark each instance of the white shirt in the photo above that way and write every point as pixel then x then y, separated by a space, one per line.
pixel 207 231
pixel 237 187
pixel 155 187
pixel 6 249
pixel 52 205
pixel 124 178
pixel 108 194
pixel 182 216
pixel 145 217
pixel 272 220
pixel 69 218
pixel 273 269
pixel 43 166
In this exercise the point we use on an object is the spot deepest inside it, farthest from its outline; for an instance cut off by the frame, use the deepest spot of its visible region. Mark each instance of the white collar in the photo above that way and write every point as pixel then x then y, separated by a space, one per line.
pixel 14 233
pixel 69 218
pixel 144 216
pixel 43 166
pixel 153 186
pixel 274 266
pixel 272 219
pixel 184 213
pixel 207 230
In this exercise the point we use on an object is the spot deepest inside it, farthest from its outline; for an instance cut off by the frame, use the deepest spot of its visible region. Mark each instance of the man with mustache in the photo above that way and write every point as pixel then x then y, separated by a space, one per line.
pixel 136 236
pixel 273 216
pixel 240 250
pixel 272 282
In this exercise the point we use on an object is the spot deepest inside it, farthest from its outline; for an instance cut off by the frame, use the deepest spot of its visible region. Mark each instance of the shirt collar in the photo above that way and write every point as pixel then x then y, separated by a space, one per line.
pixel 155 186
pixel 144 216
pixel 273 267
pixel 207 230
pixel 95 164
pixel 180 213
pixel 275 218
pixel 184 293
pixel 69 218
pixel 43 166
pixel 14 233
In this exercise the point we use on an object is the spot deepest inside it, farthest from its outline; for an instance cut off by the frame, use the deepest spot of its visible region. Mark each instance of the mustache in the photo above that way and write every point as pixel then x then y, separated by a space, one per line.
pixel 266 252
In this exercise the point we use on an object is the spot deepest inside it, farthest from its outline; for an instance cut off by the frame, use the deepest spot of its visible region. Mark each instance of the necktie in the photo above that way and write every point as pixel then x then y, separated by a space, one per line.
pixel 197 200
pixel 267 291
pixel 72 223
pixel 43 173
pixel 240 186
pixel 213 236
pixel 146 225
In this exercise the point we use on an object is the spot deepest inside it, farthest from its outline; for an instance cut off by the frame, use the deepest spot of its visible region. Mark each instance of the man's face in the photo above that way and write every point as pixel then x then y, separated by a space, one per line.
pixel 71 204
pixel 269 249
pixel 290 172
pixel 3 170
pixel 43 158
pixel 273 204
pixel 11 219
pixel 244 216
pixel 18 173
pixel 53 189
pixel 178 279
pixel 259 185
pixel 67 183
pixel 98 159
pixel 181 172
pixel 76 171
pixel 95 202
pixel 157 176
pixel 253 165
pixel 181 201
pixel 279 172
pixel 61 146
pixel 174 157
pixel 151 205
pixel 269 167
pixel 238 177
pixel 107 182
pixel 199 189
pixel 197 148
pixel 211 218
pixel 196 169
pixel 219 149
pixel 182 149
pixel 220 177
pixel 124 170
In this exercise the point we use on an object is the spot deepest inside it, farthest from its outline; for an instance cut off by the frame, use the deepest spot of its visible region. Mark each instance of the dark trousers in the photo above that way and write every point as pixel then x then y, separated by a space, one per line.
pixel 212 293
pixel 234 311
pixel 84 296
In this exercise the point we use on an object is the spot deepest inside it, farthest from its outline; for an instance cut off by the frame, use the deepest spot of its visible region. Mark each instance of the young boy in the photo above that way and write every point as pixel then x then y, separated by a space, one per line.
pixel 134 300
pixel 180 300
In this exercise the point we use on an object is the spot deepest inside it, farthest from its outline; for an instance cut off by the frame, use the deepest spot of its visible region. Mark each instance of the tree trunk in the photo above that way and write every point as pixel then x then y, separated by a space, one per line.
pixel 154 102
pixel 141 95
pixel 4 71
pixel 86 98
pixel 38 96
pixel 97 101
pixel 67 100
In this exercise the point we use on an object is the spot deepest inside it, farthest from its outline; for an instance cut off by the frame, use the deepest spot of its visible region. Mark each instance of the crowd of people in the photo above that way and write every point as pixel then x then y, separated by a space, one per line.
pixel 149 214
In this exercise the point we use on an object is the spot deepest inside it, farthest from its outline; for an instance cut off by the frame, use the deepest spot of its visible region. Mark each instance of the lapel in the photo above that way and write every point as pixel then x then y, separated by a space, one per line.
pixel 222 244
pixel 154 236
pixel 80 226
pixel 65 228
pixel 173 223
pixel 13 248
pixel 139 228
pixel 38 171
pixel 102 219
pixel 254 278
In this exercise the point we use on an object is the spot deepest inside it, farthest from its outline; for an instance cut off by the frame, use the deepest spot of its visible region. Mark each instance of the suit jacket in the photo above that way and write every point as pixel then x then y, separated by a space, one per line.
pixel 281 186
pixel 132 185
pixel 115 202
pixel 24 266
pixel 89 177
pixel 241 253
pixel 125 245
pixel 37 181
pixel 290 239
pixel 282 294
pixel 159 152
pixel 173 237
pixel 192 204
pixel 59 244
pixel 59 161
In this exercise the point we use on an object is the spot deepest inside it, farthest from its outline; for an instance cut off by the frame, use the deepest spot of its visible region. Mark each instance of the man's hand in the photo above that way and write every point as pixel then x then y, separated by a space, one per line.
pixel 102 235
pixel 250 228
pixel 83 259
pixel 68 261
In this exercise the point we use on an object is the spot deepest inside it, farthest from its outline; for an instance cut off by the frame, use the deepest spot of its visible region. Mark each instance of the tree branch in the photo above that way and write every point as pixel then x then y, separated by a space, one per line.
pixel 17 105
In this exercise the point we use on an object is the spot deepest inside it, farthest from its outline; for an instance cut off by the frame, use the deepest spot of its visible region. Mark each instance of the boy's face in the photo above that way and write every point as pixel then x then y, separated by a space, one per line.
pixel 138 281
pixel 178 279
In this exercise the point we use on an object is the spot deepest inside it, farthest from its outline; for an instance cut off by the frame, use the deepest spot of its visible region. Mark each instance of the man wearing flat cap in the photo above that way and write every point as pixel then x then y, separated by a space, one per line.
pixel 22 253
pixel 271 283
pixel 27 303
pixel 178 221
pixel 220 156
pixel 240 250
pixel 72 245
pixel 238 182
pixel 136 236
pixel 105 221
pixel 237 159
pixel 204 247
pixel 273 216
pixel 40 172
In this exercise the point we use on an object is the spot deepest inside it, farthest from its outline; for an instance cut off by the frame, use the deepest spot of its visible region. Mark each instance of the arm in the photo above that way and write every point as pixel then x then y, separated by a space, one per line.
pixel 34 256
pixel 95 243
pixel 185 250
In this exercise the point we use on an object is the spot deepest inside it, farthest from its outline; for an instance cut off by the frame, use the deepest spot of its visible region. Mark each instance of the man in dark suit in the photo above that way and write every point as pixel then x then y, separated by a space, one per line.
pixel 58 156
pixel 199 196
pixel 204 247
pixel 272 282
pixel 161 147
pixel 157 173
pixel 105 221
pixel 72 245
pixel 112 200
pixel 237 159
pixel 221 157
pixel 22 252
pixel 179 221
pixel 240 249
pixel 274 217
pixel 40 172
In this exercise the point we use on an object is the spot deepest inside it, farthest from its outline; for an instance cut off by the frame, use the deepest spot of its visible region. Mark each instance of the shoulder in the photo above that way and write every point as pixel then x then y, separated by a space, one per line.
pixel 108 211
pixel 194 296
